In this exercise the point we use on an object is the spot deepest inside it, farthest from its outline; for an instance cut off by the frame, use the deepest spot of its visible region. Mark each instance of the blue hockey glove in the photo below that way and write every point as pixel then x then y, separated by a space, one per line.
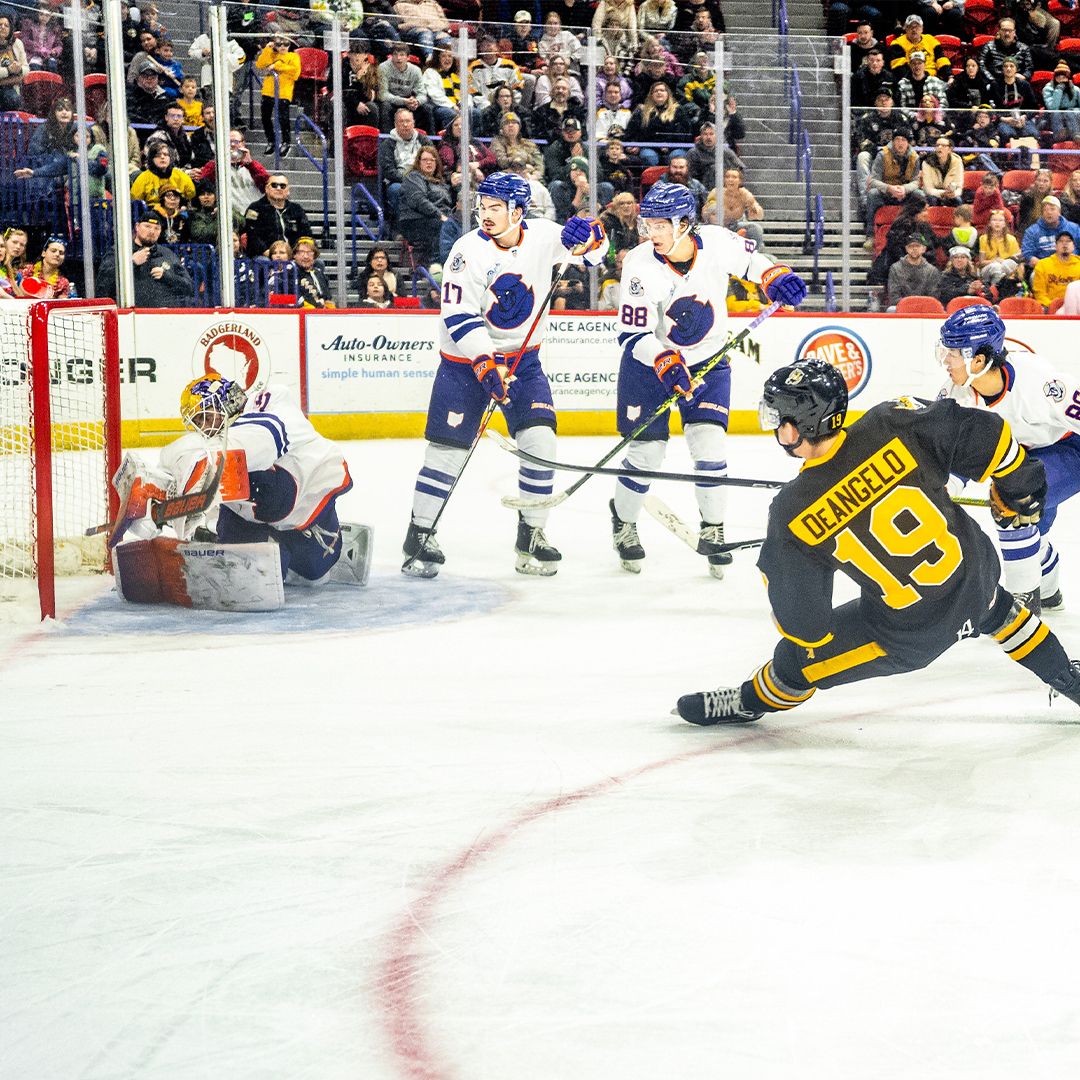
pixel 672 371
pixel 781 283
pixel 586 233
pixel 491 375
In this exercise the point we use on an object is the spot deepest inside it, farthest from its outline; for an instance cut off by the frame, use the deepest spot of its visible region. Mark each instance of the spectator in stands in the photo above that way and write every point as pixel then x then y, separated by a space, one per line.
pixel 425 200
pixel 490 70
pixel 42 40
pixel 172 71
pixel 378 28
pixel 873 132
pixel 100 134
pixel 930 122
pixel 200 50
pixel 656 17
pixel 678 172
pixel 9 284
pixel 959 277
pixel 659 120
pixel 160 279
pixel 524 41
pixel 610 71
pixel 52 146
pixel 146 100
pixel 702 156
pixel 247 177
pixel 971 87
pixel 1015 96
pixel 999 262
pixel 912 275
pixel 397 155
pixel 481 157
pixel 442 84
pixel 1005 46
pixel 1062 101
pixel 377 264
pixel 913 40
pixel 1070 197
pixel 571 294
pixel 202 139
pixel 1053 274
pixel 161 171
pixel 43 280
pixel 1040 238
pixel 963 230
pixel 862 45
pixel 698 84
pixel 573 195
pixel 489 123
pixel 558 152
pixel 509 142
pixel 555 69
pixel 312 284
pixel 943 16
pixel 189 101
pixel 870 80
pixel 688 10
pixel 615 25
pixel 401 86
pixel 655 64
pixel 551 118
pixel 982 135
pixel 147 48
pixel 274 217
pixel 1031 201
pixel 203 219
pixel 13 65
pixel 621 222
pixel 375 294
pixel 555 41
pixel 576 15
pixel 917 82
pixel 614 167
pixel 1037 29
pixel 278 59
pixel 611 113
pixel 742 211
pixel 174 216
pixel 540 204
pixel 423 24
pixel 16 240
pixel 943 174
pixel 172 133
pixel 894 175
pixel 987 200
pixel 701 37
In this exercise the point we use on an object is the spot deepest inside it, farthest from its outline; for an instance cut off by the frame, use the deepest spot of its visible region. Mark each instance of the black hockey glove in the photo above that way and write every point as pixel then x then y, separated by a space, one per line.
pixel 1011 510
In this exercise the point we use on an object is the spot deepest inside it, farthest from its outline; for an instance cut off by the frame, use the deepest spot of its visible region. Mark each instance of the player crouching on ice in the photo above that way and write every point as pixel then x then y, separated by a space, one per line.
pixel 672 320
pixel 277 482
pixel 870 501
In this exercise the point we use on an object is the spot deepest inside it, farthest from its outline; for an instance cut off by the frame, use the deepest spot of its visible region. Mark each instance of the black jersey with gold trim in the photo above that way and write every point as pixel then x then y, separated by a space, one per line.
pixel 875 508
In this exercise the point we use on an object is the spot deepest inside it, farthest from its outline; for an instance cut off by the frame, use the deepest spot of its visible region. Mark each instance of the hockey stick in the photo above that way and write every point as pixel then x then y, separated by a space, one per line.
pixel 671 521
pixel 489 410
pixel 519 503
pixel 705 479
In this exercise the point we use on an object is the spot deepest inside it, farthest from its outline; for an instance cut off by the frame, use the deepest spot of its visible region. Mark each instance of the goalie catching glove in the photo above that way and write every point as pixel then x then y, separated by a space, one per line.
pixel 491 373
pixel 672 371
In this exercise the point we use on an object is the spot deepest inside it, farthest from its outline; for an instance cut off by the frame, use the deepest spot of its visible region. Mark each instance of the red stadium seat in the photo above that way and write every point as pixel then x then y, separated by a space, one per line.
pixel 94 88
pixel 1017 180
pixel 1068 17
pixel 953 48
pixel 361 151
pixel 973 179
pixel 650 175
pixel 941 219
pixel 980 16
pixel 314 66
pixel 1055 306
pixel 1020 305
pixel 919 305
pixel 1065 163
pixel 1069 44
pixel 983 39
pixel 1039 79
pixel 882 220
pixel 959 302
pixel 40 89
pixel 406 301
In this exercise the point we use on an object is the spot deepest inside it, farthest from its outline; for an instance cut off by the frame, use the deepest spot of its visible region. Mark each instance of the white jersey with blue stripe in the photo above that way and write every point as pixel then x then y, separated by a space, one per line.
pixel 491 294
pixel 661 309
pixel 273 431
pixel 1039 402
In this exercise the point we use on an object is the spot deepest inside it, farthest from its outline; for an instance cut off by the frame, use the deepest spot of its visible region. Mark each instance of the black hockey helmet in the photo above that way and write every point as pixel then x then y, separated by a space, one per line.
pixel 810 394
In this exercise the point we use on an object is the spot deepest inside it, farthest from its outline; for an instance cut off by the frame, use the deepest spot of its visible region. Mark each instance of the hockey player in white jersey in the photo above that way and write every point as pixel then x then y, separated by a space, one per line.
pixel 494 280
pixel 1041 404
pixel 672 319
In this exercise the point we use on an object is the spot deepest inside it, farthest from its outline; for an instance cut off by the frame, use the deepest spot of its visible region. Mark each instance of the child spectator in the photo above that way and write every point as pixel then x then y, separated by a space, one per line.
pixel 614 167
pixel 982 135
pixel 203 219
pixel 959 277
pixel 442 84
pixel 15 243
pixel 13 65
pixel 42 40
pixel 987 200
pixel 377 264
pixel 1070 197
pixel 1062 101
pixel 174 215
pixel 999 263
pixel 964 232
pixel 611 71
pixel 172 73
pixel 52 146
pixel 189 102
pixel 375 294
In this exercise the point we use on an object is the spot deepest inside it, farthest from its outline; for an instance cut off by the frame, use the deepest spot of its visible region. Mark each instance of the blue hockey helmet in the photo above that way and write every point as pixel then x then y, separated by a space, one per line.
pixel 508 188
pixel 668 201
pixel 810 394
pixel 971 331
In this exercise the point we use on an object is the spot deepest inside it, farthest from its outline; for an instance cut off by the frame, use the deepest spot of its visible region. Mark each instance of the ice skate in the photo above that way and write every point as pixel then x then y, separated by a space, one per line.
pixel 624 536
pixel 354 562
pixel 710 540
pixel 1053 603
pixel 1030 600
pixel 723 706
pixel 423 556
pixel 1067 684
pixel 535 553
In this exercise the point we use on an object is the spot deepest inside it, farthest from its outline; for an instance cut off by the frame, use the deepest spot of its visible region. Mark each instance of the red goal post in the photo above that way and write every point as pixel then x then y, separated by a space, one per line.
pixel 59 440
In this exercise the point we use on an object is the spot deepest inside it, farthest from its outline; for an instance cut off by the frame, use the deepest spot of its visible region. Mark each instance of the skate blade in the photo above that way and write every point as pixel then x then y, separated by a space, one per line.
pixel 418 569
pixel 631 566
pixel 526 564
pixel 716 571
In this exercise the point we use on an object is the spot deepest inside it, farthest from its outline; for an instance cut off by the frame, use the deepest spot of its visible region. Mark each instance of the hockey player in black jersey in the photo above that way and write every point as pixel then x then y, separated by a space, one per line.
pixel 870 501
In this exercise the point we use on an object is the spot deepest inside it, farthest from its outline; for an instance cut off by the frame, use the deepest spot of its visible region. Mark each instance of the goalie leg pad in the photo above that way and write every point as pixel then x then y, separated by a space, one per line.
pixel 213 577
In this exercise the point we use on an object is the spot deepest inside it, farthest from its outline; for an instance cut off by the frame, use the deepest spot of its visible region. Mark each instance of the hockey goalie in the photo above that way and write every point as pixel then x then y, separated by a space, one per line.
pixel 238 508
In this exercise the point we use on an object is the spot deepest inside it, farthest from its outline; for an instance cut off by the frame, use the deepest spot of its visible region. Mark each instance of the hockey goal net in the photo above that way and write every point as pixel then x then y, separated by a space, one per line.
pixel 59 441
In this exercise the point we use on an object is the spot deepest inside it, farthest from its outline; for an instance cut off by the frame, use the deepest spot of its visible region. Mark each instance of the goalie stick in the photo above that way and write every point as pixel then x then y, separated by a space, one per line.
pixel 517 502
pixel 671 521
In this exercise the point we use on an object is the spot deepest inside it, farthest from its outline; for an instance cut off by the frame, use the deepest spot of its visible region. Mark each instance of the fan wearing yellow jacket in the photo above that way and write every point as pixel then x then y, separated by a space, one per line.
pixel 278 58
pixel 161 173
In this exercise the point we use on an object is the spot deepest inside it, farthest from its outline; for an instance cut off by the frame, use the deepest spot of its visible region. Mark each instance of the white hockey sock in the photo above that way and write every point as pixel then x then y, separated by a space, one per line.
pixel 629 493
pixel 533 479
pixel 708 447
pixel 441 465
pixel 1020 553
pixel 1051 571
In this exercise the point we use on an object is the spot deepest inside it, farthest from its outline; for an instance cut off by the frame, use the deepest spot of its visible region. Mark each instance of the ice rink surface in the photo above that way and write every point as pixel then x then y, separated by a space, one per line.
pixel 448 830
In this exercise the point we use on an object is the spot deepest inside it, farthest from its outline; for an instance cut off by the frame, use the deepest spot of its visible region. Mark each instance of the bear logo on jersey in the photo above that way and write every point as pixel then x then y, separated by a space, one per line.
pixel 692 320
pixel 514 301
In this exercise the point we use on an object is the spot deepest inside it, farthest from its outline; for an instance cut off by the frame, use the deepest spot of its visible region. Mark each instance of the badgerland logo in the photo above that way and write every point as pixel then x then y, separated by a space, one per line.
pixel 235 350
pixel 846 351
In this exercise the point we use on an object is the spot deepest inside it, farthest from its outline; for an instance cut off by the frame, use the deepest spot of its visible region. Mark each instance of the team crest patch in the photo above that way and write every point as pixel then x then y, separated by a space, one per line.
pixel 633 412
pixel 453 419
pixel 514 301
pixel 457 263
pixel 636 288
pixel 906 402
pixel 1054 390
pixel 692 319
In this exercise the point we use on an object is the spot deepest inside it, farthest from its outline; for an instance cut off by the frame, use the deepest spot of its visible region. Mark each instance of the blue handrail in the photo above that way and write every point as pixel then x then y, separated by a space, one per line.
pixel 323 168
pixel 422 272
pixel 360 194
